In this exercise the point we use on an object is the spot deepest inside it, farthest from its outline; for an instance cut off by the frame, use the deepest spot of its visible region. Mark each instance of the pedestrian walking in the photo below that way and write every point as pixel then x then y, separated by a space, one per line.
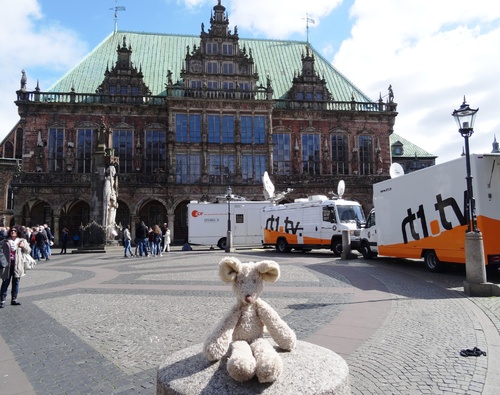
pixel 12 250
pixel 127 238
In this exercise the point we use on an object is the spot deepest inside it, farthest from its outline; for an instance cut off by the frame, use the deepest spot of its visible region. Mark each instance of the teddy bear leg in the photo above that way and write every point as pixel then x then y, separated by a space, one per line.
pixel 241 363
pixel 269 363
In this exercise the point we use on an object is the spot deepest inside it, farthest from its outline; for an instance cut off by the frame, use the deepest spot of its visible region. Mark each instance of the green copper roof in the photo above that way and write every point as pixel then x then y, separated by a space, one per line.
pixel 154 54
pixel 409 149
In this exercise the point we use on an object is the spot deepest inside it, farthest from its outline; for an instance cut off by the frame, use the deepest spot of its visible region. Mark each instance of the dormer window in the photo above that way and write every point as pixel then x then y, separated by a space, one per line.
pixel 227 68
pixel 397 148
pixel 123 90
pixel 212 49
pixel 112 90
pixel 227 49
pixel 212 68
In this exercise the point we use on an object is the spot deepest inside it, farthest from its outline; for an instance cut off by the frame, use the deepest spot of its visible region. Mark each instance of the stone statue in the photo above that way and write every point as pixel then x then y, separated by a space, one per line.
pixel 110 201
pixel 391 94
pixel 24 80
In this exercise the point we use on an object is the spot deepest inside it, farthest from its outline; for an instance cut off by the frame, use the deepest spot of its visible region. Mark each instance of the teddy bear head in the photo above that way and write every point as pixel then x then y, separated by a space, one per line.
pixel 248 278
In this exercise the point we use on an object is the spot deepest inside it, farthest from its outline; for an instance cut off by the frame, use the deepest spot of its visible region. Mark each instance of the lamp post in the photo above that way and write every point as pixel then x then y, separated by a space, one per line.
pixel 465 117
pixel 475 271
pixel 229 237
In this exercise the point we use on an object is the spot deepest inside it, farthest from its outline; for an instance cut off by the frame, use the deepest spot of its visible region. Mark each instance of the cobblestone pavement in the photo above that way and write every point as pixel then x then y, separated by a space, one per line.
pixel 102 324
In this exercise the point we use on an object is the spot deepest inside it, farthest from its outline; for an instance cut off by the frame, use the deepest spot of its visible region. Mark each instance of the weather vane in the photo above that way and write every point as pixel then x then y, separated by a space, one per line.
pixel 307 19
pixel 117 8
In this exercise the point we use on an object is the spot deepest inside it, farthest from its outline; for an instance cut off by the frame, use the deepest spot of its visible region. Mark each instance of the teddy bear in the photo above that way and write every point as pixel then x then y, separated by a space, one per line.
pixel 239 336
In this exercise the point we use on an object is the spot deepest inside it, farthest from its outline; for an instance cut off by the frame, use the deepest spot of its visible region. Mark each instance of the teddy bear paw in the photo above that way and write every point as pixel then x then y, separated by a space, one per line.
pixel 269 370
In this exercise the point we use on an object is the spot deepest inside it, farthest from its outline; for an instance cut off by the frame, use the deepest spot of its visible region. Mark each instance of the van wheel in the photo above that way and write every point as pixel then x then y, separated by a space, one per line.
pixel 366 251
pixel 432 262
pixel 222 243
pixel 337 247
pixel 282 246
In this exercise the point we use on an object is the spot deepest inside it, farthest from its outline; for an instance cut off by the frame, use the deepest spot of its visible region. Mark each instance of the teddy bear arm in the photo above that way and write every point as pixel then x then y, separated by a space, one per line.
pixel 279 330
pixel 217 342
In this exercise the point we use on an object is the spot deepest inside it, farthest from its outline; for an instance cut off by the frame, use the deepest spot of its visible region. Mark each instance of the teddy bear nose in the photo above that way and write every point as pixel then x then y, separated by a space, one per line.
pixel 248 299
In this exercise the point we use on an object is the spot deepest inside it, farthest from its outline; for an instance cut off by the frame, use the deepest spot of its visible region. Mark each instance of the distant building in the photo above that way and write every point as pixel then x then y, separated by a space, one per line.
pixel 184 117
pixel 410 156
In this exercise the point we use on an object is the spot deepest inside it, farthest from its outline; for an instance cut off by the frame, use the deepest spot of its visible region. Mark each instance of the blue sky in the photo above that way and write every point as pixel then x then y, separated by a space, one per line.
pixel 431 52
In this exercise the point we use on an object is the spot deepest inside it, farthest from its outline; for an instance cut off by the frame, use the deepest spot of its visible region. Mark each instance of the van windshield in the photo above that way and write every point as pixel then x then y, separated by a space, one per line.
pixel 352 213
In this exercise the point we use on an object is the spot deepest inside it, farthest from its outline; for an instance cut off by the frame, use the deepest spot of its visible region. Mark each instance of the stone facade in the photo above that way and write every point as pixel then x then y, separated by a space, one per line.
pixel 214 127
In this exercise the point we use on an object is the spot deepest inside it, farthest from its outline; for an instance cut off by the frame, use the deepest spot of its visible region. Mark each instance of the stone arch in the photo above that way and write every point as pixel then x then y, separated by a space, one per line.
pixel 123 214
pixel 152 212
pixel 37 212
pixel 74 214
pixel 180 221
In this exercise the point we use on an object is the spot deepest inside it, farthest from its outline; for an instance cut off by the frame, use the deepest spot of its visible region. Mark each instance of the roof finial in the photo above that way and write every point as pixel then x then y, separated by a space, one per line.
pixel 117 8
pixel 307 19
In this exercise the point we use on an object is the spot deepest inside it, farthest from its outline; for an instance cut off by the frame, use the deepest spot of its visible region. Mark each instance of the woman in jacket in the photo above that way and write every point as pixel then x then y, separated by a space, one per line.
pixel 12 250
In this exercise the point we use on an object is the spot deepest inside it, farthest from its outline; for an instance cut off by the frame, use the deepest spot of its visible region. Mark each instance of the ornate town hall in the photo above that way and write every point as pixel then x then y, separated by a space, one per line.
pixel 165 119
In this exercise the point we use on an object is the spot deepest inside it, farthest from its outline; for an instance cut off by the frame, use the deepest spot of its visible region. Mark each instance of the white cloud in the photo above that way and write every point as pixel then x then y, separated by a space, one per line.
pixel 278 18
pixel 432 53
pixel 23 45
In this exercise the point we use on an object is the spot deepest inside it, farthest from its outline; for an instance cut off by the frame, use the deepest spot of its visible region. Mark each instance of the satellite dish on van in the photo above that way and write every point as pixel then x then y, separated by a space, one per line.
pixel 268 186
pixel 396 170
pixel 341 189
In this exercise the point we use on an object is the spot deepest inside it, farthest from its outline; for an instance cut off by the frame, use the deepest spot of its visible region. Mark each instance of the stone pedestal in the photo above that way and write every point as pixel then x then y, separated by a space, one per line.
pixel 309 369
pixel 475 270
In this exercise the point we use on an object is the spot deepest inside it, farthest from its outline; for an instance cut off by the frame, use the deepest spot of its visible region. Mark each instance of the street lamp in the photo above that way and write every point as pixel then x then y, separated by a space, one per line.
pixel 229 238
pixel 465 117
pixel 475 271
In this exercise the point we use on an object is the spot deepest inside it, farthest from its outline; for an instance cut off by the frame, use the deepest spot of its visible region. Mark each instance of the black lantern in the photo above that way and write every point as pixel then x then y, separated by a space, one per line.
pixel 465 117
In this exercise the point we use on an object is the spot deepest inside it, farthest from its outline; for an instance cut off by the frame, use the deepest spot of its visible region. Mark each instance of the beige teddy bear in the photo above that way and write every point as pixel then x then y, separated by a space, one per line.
pixel 239 335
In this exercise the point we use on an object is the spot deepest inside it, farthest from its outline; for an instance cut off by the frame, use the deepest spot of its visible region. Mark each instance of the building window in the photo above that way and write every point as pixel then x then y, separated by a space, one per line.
pixel 281 153
pixel 311 154
pixel 253 167
pixel 253 129
pixel 155 154
pixel 227 49
pixel 365 155
pixel 211 48
pixel 220 168
pixel 397 148
pixel 188 168
pixel 340 154
pixel 227 68
pixel 122 144
pixel 212 85
pixel 228 129
pixel 212 68
pixel 220 129
pixel 188 128
pixel 56 145
pixel 84 149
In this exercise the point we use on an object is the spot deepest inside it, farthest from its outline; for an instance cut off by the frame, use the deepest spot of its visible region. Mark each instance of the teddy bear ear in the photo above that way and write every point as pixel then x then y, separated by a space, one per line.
pixel 229 267
pixel 269 270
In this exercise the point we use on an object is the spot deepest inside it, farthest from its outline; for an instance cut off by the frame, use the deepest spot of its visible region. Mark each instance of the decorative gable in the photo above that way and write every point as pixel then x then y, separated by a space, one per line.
pixel 218 67
pixel 308 85
pixel 124 79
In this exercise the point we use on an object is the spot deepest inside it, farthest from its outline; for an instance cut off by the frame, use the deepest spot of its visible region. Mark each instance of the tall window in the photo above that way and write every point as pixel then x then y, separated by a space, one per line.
pixel 253 129
pixel 220 129
pixel 155 154
pixel 123 144
pixel 188 128
pixel 253 167
pixel 56 145
pixel 84 149
pixel 281 153
pixel 188 168
pixel 365 155
pixel 221 168
pixel 339 154
pixel 310 154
